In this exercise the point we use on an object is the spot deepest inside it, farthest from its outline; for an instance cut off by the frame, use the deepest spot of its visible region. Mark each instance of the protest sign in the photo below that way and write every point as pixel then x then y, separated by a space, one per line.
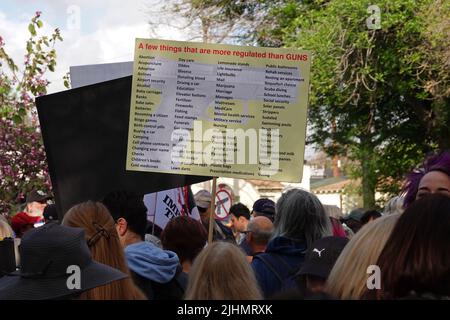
pixel 166 205
pixel 85 75
pixel 218 110
pixel 85 136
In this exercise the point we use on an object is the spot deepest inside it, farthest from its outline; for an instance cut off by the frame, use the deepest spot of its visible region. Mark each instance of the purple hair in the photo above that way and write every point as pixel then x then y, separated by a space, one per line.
pixel 434 162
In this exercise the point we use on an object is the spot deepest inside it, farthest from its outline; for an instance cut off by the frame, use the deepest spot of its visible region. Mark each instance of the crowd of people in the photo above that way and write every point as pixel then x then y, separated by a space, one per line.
pixel 296 248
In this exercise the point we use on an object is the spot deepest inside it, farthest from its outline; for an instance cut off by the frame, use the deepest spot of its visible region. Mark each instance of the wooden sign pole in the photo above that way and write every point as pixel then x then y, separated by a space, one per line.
pixel 212 210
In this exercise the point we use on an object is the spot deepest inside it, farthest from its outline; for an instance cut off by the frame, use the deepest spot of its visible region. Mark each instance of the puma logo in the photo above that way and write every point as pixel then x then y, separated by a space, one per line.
pixel 319 252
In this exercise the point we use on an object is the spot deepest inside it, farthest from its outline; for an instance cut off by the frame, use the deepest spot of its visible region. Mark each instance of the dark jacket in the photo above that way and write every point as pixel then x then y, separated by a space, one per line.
pixel 276 268
pixel 225 233
pixel 246 248
pixel 172 290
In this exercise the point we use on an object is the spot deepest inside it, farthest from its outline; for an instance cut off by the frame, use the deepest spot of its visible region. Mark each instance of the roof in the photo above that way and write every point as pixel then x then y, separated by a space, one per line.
pixel 330 185
pixel 266 184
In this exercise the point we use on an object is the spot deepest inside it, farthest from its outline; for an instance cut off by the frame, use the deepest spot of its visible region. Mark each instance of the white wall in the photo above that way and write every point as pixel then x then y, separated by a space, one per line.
pixel 330 199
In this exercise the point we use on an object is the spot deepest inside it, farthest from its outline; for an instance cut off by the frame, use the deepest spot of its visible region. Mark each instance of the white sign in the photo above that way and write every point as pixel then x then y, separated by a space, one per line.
pixel 223 204
pixel 165 205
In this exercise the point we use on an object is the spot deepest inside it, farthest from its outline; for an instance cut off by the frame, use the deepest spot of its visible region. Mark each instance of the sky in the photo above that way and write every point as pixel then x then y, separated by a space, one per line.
pixel 105 33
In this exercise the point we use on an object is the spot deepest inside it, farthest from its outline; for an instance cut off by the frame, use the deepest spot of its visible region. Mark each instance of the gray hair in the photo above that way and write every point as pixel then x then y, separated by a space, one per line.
pixel 259 236
pixel 301 216
pixel 394 205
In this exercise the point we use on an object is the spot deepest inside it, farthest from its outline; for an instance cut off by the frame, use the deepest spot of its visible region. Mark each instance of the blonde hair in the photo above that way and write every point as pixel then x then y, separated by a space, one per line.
pixel 5 229
pixel 103 241
pixel 7 232
pixel 348 278
pixel 221 272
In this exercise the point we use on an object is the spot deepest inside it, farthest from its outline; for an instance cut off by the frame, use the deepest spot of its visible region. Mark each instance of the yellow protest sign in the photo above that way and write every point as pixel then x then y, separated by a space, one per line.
pixel 218 110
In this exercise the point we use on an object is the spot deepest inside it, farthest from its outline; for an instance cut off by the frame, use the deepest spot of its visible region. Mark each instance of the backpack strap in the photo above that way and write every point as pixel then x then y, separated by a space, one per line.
pixel 290 270
pixel 265 259
pixel 266 262
pixel 181 280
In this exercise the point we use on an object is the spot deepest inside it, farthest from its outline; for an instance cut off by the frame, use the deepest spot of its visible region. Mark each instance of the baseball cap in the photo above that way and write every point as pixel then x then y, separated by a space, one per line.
pixel 50 213
pixel 263 203
pixel 203 199
pixel 37 196
pixel 355 214
pixel 322 256
pixel 264 207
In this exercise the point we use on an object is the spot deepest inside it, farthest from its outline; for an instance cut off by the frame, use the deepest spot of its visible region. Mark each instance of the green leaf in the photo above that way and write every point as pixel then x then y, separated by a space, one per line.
pixel 51 67
pixel 39 23
pixel 22 112
pixel 17 119
pixel 32 29
pixel 66 84
pixel 29 47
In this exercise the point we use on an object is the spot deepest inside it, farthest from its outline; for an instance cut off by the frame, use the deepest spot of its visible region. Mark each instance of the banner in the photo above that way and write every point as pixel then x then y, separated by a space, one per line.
pixel 166 205
pixel 218 110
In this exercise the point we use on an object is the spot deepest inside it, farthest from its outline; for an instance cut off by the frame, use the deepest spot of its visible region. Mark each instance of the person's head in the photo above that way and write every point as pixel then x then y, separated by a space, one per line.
pixel 22 223
pixel 221 272
pixel 301 216
pixel 353 219
pixel 103 241
pixel 264 207
pixel 394 205
pixel 348 278
pixel 186 237
pixel 203 203
pixel 259 231
pixel 416 257
pixel 432 177
pixel 50 213
pixel 370 215
pixel 319 261
pixel 130 214
pixel 36 201
pixel 56 263
pixel 240 215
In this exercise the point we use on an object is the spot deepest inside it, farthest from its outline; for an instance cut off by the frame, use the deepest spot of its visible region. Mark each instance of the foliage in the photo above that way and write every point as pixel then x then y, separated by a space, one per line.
pixel 379 97
pixel 23 163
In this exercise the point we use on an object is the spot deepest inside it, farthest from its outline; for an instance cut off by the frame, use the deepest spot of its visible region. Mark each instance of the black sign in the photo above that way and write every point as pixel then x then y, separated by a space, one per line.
pixel 85 134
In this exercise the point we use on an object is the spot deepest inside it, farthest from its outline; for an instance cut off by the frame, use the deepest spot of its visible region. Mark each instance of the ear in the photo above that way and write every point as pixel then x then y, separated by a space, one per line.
pixel 121 226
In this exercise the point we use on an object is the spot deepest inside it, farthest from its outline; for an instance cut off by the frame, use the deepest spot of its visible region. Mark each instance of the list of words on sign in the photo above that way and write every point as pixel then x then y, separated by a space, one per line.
pixel 218 110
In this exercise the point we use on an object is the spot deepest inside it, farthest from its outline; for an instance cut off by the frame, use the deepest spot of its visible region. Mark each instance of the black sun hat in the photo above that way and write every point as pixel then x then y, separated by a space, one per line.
pixel 46 254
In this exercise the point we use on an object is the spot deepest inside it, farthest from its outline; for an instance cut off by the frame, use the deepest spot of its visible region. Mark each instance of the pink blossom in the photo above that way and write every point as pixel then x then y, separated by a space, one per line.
pixel 38 14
